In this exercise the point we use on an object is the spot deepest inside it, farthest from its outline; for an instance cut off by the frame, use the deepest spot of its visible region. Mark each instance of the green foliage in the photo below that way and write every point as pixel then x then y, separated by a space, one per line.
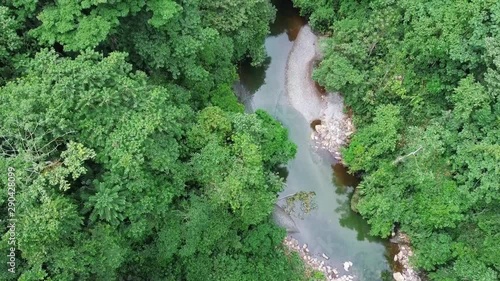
pixel 422 80
pixel 198 46
pixel 10 43
pixel 107 205
pixel 376 141
pixel 320 12
pixel 275 146
pixel 232 165
pixel 123 176
pixel 80 25
pixel 193 43
pixel 72 165
pixel 225 98
pixel 9 40
pixel 246 23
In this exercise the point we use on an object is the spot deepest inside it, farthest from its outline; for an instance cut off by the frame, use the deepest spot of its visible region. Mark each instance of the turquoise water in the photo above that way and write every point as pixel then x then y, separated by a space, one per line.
pixel 333 228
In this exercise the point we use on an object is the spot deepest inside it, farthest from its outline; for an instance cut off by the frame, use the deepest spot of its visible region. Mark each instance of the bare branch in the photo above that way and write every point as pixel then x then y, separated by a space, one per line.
pixel 56 138
pixel 288 196
pixel 401 158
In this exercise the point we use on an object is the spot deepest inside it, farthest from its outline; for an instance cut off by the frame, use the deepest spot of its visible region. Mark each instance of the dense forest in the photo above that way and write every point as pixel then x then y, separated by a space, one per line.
pixel 422 79
pixel 126 153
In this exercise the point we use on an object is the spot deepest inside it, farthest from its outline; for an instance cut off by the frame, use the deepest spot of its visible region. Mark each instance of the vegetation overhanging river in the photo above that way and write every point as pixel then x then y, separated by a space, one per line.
pixel 332 228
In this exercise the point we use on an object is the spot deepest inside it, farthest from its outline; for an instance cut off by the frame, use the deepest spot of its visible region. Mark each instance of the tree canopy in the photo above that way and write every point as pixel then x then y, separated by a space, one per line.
pixel 422 80
pixel 133 159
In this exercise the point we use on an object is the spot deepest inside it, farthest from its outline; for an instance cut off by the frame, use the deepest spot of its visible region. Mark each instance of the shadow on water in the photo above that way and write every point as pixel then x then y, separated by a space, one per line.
pixel 341 176
pixel 345 184
pixel 287 20
pixel 282 172
pixel 253 77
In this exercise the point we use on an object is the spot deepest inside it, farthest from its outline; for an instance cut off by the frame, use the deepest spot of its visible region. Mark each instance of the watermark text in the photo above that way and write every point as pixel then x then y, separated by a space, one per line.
pixel 11 218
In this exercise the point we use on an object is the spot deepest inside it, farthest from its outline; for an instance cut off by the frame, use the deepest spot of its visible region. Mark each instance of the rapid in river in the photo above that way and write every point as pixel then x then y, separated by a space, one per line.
pixel 332 228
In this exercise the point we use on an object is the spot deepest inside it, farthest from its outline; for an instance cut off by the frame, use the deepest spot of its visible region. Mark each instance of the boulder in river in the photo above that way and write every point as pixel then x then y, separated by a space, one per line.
pixel 398 276
pixel 347 265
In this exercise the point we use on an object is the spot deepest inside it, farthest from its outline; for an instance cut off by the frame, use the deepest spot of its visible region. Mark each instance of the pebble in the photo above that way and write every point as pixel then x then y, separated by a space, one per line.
pixel 347 264
pixel 319 264
pixel 316 263
pixel 398 276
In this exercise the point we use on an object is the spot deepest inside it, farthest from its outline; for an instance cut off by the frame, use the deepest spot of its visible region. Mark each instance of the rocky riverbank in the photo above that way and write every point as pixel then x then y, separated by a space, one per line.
pixel 317 263
pixel 330 133
pixel 301 90
pixel 333 127
pixel 403 258
pixel 332 130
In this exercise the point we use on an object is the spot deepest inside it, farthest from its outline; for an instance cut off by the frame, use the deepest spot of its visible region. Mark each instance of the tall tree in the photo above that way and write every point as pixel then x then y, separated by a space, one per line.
pixel 119 178
pixel 430 168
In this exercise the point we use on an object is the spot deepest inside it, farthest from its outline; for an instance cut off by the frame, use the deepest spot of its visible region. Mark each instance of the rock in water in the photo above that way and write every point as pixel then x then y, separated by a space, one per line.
pixel 398 276
pixel 283 219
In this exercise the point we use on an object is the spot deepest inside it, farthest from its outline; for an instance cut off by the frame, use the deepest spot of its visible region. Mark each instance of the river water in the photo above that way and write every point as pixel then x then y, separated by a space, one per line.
pixel 332 228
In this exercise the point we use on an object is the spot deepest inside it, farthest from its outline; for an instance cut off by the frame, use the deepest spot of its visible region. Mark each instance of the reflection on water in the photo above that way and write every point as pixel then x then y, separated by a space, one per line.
pixel 394 250
pixel 350 219
pixel 253 77
pixel 282 172
pixel 344 185
pixel 341 176
pixel 287 20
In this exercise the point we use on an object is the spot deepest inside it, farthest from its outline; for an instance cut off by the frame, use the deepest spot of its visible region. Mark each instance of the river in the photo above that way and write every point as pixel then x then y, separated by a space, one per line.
pixel 332 228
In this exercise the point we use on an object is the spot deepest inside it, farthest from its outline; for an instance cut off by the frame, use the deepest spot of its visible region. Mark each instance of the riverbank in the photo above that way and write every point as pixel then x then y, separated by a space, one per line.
pixel 332 130
pixel 301 90
pixel 331 228
pixel 407 273
pixel 319 263
pixel 332 127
